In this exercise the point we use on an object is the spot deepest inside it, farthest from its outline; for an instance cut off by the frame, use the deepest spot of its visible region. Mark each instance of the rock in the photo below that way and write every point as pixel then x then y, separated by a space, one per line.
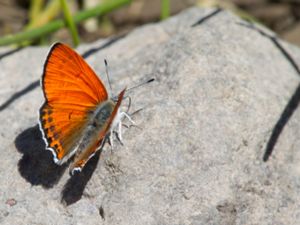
pixel 225 96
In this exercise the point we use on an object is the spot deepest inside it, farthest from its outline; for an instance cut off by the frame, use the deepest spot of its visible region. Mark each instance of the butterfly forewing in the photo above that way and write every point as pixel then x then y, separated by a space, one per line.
pixel 67 74
pixel 72 91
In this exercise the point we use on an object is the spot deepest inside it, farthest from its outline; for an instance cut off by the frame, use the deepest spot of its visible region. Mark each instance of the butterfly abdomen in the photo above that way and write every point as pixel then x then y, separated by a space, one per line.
pixel 95 132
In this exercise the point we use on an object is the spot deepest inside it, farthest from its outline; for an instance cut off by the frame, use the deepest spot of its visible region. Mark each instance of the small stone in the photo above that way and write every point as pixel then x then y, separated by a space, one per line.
pixel 11 202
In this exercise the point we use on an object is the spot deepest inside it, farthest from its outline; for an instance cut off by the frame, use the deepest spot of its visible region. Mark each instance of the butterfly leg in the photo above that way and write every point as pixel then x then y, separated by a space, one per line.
pixel 111 140
pixel 124 114
pixel 129 103
pixel 136 111
pixel 118 130
pixel 130 120
pixel 119 133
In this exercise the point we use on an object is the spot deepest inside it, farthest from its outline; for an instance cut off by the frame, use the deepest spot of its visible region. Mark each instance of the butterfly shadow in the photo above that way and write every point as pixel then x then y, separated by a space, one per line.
pixel 38 168
pixel 37 165
pixel 73 189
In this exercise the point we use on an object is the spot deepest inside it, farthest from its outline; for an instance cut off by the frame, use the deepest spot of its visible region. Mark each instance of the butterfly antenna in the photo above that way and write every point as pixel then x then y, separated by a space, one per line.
pixel 139 85
pixel 107 75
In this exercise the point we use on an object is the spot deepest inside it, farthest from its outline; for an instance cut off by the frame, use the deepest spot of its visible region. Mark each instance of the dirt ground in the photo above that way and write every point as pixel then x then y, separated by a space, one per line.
pixel 282 16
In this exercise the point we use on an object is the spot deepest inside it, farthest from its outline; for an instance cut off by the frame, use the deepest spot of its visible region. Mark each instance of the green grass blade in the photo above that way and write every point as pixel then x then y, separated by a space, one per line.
pixel 165 9
pixel 50 11
pixel 70 22
pixel 28 35
pixel 35 9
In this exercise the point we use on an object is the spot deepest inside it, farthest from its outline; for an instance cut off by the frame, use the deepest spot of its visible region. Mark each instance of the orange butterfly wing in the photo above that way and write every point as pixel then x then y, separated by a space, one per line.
pixel 72 91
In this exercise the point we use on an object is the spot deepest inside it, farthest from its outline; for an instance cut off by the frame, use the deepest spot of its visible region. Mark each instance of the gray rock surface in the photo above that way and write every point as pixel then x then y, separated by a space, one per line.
pixel 225 93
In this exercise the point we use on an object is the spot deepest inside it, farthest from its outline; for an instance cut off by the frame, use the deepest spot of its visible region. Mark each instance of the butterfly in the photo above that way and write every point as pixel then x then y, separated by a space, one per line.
pixel 77 115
